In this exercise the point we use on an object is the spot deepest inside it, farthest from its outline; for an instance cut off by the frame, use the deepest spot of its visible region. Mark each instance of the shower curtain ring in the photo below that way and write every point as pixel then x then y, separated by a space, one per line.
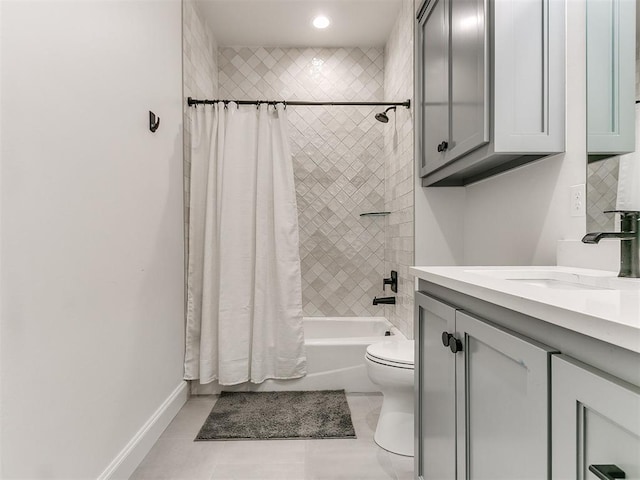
pixel 226 104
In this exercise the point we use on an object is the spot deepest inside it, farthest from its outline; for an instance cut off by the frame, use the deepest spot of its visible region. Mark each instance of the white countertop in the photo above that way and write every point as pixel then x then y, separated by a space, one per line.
pixel 611 315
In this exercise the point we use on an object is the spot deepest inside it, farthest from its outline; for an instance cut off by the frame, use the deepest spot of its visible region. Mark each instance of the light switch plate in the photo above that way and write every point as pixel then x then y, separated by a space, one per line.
pixel 578 200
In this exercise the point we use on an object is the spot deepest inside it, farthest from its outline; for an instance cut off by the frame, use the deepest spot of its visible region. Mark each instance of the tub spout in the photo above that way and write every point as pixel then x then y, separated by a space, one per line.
pixel 384 300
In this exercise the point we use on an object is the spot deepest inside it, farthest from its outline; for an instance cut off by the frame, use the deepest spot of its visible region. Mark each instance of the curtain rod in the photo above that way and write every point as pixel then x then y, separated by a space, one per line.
pixel 191 102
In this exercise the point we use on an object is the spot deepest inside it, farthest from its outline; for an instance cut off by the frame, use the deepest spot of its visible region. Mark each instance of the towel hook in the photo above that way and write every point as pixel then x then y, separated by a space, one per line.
pixel 154 122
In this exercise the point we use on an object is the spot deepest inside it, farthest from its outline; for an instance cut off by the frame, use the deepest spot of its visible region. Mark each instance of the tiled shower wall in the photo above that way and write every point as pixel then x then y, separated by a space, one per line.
pixel 200 79
pixel 338 164
pixel 398 151
pixel 602 180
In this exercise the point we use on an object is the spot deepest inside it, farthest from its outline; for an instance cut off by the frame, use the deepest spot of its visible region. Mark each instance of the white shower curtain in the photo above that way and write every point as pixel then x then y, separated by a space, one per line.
pixel 244 298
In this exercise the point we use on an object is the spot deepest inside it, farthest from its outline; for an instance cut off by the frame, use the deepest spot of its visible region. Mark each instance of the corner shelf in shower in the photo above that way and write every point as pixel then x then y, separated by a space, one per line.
pixel 375 214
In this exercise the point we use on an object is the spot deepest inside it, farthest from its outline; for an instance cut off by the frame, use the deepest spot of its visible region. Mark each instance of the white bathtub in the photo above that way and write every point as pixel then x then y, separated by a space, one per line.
pixel 335 356
pixel 321 329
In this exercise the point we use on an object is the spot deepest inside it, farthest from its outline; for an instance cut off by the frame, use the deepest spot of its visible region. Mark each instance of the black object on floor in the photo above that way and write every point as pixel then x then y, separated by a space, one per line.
pixel 279 415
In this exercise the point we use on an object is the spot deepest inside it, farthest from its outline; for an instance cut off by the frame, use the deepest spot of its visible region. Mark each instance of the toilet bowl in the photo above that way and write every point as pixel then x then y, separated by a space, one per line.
pixel 390 365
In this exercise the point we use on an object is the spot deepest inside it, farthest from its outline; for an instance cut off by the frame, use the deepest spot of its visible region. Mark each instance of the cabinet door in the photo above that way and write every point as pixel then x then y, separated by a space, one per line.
pixel 611 76
pixel 433 65
pixel 502 384
pixel 469 78
pixel 529 78
pixel 435 391
pixel 596 421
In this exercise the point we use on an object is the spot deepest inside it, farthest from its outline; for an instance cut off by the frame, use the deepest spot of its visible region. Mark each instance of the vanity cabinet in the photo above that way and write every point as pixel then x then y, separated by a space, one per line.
pixel 483 393
pixel 513 396
pixel 490 86
pixel 435 452
pixel 596 422
pixel 611 34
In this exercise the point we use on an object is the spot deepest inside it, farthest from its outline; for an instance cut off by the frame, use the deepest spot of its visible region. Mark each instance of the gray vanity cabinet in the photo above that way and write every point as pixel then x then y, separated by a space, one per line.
pixel 596 421
pixel 502 383
pixel 435 452
pixel 482 396
pixel 490 86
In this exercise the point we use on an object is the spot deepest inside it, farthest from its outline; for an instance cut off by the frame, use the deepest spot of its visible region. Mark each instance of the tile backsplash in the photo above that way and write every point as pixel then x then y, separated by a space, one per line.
pixel 338 162
pixel 602 193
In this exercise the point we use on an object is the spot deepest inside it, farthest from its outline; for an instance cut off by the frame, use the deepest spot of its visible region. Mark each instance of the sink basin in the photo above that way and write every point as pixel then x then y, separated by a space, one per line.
pixel 561 279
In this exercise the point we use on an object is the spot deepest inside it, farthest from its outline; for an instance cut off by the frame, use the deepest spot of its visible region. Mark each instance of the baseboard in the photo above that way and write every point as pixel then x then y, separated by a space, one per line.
pixel 134 452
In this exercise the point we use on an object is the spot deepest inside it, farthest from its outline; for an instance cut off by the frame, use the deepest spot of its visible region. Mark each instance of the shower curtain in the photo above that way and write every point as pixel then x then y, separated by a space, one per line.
pixel 244 294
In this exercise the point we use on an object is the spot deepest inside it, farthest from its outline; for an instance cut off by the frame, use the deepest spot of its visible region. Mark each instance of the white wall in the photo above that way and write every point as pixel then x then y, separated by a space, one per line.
pixel 515 218
pixel 92 247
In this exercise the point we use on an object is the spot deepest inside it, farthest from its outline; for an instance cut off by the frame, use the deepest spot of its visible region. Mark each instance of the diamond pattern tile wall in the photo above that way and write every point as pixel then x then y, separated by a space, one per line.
pixel 602 192
pixel 338 164
pixel 398 151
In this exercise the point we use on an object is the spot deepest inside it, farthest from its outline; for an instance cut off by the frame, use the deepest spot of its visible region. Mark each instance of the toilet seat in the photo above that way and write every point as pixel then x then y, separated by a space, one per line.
pixel 393 353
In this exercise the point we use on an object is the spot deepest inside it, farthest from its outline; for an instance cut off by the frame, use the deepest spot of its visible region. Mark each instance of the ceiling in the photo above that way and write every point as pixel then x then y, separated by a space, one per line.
pixel 287 23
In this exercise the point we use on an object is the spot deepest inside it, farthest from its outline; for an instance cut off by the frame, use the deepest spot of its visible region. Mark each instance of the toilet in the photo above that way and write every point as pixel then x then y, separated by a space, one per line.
pixel 390 365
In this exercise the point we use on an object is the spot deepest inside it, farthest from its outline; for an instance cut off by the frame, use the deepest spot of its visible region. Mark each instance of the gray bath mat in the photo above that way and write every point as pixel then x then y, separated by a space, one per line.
pixel 279 415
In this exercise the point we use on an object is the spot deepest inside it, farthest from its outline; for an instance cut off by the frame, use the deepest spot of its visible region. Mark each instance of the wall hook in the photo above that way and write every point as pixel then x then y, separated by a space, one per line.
pixel 154 122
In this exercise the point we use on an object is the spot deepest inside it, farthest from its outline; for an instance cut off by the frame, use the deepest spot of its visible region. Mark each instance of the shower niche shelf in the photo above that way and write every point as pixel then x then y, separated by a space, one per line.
pixel 375 214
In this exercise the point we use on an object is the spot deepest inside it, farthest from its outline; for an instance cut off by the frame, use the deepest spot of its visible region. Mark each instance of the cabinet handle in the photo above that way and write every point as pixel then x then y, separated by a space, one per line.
pixel 448 340
pixel 443 146
pixel 607 472
pixel 454 344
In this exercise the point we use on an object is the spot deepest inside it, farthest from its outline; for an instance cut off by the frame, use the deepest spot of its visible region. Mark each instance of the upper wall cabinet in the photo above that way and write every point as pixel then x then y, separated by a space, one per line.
pixel 490 86
pixel 611 76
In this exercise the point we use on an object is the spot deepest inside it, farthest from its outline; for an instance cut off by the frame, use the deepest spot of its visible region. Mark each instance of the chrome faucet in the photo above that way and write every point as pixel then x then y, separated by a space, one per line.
pixel 629 242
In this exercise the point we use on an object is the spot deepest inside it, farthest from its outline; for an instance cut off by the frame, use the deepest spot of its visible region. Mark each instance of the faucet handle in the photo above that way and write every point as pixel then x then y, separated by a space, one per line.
pixel 624 213
pixel 628 220
pixel 392 280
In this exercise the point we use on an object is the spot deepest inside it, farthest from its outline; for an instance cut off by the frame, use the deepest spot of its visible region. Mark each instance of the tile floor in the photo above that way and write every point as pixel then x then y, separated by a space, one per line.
pixel 176 456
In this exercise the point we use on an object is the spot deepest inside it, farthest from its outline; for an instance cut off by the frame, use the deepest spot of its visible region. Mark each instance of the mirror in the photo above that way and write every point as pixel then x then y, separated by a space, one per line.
pixel 613 85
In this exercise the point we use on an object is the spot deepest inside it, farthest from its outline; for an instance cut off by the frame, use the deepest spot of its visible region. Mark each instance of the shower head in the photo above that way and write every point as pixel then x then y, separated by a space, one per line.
pixel 383 117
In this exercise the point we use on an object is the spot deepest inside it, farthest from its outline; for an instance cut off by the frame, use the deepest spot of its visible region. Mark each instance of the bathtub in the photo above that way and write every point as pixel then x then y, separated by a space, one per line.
pixel 335 356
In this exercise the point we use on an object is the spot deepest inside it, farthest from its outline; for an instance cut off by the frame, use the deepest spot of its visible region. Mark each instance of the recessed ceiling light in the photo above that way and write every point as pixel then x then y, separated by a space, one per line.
pixel 321 22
